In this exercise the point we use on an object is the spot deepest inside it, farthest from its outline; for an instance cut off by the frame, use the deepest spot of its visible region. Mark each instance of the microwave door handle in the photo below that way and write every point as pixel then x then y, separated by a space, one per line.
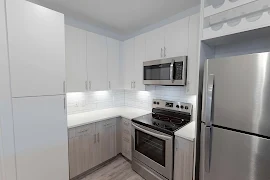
pixel 172 70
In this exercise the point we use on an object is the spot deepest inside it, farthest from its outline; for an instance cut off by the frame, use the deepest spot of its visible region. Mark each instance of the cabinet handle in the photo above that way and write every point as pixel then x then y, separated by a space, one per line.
pixel 131 85
pixel 134 84
pixel 65 103
pixel 90 87
pixel 98 137
pixel 164 51
pixel 95 138
pixel 161 52
pixel 64 87
pixel 86 85
pixel 83 131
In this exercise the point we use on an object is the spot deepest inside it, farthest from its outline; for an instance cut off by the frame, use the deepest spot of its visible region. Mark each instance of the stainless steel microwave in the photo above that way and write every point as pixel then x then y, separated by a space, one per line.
pixel 170 71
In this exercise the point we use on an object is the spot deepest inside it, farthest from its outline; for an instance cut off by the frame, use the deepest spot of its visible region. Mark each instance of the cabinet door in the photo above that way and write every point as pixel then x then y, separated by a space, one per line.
pixel 193 67
pixel 126 138
pixel 140 56
pixel 176 38
pixel 72 152
pixel 113 63
pixel 97 62
pixel 86 147
pixel 155 44
pixel 106 138
pixel 41 139
pixel 128 61
pixel 36 38
pixel 76 70
pixel 183 159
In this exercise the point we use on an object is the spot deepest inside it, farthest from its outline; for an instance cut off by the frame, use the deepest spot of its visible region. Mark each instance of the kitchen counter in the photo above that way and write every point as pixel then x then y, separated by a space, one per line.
pixel 80 119
pixel 187 132
pixel 75 120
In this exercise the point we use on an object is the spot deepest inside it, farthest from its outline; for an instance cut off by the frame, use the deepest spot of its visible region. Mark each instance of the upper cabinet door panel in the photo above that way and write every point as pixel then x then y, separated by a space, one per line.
pixel 76 70
pixel 128 61
pixel 37 49
pixel 176 38
pixel 113 63
pixel 140 57
pixel 97 62
pixel 193 46
pixel 155 44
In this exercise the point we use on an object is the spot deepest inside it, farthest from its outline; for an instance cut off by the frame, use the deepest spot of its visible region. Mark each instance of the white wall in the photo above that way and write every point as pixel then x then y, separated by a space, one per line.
pixel 7 151
pixel 244 47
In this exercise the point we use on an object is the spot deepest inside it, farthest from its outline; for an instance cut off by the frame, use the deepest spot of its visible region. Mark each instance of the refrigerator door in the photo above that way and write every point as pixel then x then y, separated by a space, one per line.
pixel 234 156
pixel 237 93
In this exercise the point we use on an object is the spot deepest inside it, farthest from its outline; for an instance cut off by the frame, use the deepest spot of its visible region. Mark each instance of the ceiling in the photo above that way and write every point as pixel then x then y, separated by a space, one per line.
pixel 123 17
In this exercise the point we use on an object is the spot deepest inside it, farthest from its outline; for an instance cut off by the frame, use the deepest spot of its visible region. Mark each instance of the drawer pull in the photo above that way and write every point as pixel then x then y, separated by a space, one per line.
pixel 83 131
pixel 126 123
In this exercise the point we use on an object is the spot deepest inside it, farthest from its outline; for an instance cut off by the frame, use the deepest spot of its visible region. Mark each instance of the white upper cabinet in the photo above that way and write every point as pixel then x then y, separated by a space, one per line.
pixel 155 44
pixel 176 38
pixel 113 63
pixel 97 62
pixel 36 38
pixel 128 63
pixel 140 57
pixel 76 67
pixel 193 66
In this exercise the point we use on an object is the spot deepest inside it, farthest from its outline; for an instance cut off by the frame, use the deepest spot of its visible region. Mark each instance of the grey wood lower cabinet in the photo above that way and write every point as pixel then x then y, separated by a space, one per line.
pixel 183 159
pixel 91 145
pixel 126 138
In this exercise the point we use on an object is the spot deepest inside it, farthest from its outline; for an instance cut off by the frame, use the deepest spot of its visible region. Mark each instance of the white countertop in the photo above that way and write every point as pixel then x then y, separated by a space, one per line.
pixel 187 132
pixel 80 119
pixel 75 120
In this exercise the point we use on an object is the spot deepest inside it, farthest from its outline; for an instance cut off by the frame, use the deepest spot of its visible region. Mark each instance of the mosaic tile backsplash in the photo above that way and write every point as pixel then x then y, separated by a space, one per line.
pixel 90 101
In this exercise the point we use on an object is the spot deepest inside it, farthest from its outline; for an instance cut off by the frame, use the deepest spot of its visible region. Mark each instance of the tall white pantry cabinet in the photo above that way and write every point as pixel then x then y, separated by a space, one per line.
pixel 36 55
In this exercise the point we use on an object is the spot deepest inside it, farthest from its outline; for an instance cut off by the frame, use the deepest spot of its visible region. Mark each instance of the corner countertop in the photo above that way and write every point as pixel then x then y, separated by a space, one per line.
pixel 80 119
pixel 75 120
pixel 187 132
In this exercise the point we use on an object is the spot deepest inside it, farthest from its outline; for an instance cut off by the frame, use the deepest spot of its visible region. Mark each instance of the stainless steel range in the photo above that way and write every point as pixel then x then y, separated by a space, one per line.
pixel 153 139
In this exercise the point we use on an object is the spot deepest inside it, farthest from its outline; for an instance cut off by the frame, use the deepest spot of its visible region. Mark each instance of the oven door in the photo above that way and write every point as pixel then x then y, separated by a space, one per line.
pixel 153 148
pixel 171 71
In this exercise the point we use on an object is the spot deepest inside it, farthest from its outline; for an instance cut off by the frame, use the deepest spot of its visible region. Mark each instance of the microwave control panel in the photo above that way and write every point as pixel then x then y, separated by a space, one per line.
pixel 178 70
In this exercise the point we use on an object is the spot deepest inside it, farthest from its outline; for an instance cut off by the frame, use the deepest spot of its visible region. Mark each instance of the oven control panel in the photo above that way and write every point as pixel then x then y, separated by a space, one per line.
pixel 176 106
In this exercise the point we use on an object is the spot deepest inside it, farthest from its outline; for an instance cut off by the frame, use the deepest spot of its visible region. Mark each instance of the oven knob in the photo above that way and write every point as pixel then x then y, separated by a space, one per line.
pixel 177 106
pixel 182 107
pixel 155 102
pixel 186 107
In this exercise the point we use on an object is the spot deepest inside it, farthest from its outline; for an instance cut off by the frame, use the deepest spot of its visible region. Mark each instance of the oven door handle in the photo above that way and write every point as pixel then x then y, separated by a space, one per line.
pixel 152 134
pixel 172 70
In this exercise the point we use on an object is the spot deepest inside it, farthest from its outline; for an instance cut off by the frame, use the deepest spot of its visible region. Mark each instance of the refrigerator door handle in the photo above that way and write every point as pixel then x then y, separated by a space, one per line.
pixel 207 150
pixel 209 100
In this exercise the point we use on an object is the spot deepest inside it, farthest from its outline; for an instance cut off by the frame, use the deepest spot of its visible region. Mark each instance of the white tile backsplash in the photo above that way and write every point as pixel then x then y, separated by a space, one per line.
pixel 143 99
pixel 90 101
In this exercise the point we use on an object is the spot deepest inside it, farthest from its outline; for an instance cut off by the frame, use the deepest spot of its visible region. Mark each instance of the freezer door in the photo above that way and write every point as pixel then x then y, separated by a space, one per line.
pixel 234 156
pixel 241 93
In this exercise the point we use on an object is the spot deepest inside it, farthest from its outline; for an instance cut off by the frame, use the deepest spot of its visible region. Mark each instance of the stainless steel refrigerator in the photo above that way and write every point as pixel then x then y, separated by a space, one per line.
pixel 235 126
